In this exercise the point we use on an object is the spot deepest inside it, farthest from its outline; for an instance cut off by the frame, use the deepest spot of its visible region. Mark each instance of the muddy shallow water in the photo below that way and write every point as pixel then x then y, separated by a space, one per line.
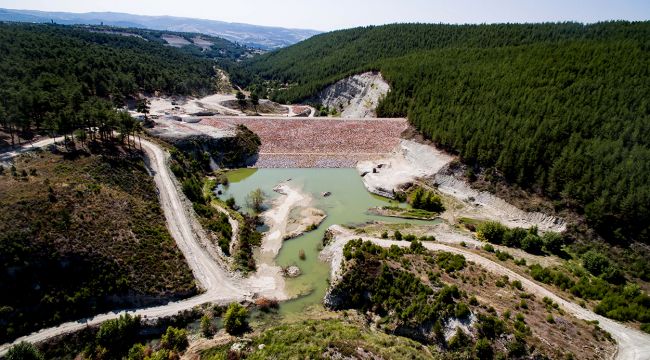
pixel 348 204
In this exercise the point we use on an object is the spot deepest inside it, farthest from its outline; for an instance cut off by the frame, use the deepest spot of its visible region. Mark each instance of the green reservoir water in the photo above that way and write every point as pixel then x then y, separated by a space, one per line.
pixel 348 204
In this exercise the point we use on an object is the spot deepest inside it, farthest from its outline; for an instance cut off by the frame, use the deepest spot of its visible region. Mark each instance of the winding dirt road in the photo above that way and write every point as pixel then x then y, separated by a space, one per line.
pixel 632 344
pixel 220 285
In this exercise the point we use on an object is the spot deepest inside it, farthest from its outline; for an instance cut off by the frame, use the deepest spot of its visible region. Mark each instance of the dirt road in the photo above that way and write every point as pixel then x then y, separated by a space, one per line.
pixel 632 344
pixel 219 284
pixel 6 156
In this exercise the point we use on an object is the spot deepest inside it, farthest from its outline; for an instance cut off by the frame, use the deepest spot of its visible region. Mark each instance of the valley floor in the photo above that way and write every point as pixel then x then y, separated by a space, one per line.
pixel 303 138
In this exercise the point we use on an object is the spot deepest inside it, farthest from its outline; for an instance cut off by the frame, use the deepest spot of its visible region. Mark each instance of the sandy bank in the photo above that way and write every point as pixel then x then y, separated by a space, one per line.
pixel 412 161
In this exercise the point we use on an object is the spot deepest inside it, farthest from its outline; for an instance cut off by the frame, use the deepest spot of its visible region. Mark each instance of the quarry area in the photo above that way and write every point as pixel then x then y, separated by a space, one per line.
pixel 356 96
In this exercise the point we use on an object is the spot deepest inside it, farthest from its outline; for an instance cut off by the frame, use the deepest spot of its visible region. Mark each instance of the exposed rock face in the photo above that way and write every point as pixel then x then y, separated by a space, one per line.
pixel 356 96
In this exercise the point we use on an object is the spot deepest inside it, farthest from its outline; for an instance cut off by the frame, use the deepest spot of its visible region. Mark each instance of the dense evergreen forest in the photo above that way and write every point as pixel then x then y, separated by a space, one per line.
pixel 63 78
pixel 563 109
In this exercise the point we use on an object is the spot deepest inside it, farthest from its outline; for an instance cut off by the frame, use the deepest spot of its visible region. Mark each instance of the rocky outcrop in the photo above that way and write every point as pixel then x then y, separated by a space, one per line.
pixel 356 96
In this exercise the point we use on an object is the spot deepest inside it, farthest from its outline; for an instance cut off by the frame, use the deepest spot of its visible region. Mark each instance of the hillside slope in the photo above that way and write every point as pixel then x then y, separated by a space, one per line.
pixel 561 109
pixel 58 79
pixel 263 37
pixel 82 234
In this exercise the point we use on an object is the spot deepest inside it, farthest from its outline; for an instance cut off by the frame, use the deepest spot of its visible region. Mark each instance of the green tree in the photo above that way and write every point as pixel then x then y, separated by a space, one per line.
pixel 241 99
pixel 235 320
pixel 116 335
pixel 483 349
pixel 24 351
pixel 207 329
pixel 255 100
pixel 174 339
pixel 138 352
pixel 595 262
pixel 143 107
pixel 255 200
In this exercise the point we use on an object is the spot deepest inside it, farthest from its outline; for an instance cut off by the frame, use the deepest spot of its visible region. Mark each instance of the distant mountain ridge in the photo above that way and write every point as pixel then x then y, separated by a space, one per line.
pixel 263 37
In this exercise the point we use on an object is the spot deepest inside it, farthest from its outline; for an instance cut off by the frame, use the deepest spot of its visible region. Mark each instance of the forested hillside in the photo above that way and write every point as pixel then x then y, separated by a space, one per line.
pixel 55 77
pixel 210 47
pixel 82 234
pixel 563 109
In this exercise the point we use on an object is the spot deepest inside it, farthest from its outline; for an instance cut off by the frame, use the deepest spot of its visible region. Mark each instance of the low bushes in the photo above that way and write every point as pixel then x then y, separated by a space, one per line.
pixel 526 239
pixel 619 302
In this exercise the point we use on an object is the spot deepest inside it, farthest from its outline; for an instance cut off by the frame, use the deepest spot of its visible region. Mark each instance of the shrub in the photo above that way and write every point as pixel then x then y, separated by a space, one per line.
pixel 397 235
pixel 550 319
pixel 517 285
pixel 384 235
pixel 553 242
pixel 416 247
pixel 462 311
pixel 520 262
pixel 459 340
pixel 595 262
pixel 450 262
pixel 490 326
pixel 266 305
pixel 523 304
pixel 483 349
pixel 491 231
pixel 207 329
pixel 516 349
pixel 24 351
pixel 645 327
pixel 255 200
pixel 116 335
pixel 426 200
pixel 203 210
pixel 488 248
pixel 174 339
pixel 514 237
pixel 230 202
pixel 235 320
pixel 503 255
pixel 192 189
pixel 410 237
pixel 532 243
pixel 139 352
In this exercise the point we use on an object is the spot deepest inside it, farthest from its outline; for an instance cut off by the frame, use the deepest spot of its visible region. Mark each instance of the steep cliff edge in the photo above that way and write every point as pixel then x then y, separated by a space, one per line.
pixel 356 96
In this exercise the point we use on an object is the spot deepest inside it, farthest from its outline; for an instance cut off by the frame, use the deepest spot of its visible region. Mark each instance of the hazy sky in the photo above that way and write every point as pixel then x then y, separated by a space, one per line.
pixel 337 14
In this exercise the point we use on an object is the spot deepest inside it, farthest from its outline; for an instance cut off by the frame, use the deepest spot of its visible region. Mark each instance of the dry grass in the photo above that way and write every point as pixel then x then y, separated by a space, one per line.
pixel 565 334
pixel 81 236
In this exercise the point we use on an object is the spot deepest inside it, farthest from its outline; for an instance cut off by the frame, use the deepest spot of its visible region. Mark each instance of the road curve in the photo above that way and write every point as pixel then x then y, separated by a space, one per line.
pixel 219 285
pixel 632 344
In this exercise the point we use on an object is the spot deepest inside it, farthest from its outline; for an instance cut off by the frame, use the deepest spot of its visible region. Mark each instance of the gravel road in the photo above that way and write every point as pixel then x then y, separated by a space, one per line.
pixel 632 344
pixel 219 285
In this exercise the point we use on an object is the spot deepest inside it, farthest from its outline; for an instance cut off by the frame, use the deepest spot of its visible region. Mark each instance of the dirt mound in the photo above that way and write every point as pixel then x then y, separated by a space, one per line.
pixel 264 107
pixel 356 96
